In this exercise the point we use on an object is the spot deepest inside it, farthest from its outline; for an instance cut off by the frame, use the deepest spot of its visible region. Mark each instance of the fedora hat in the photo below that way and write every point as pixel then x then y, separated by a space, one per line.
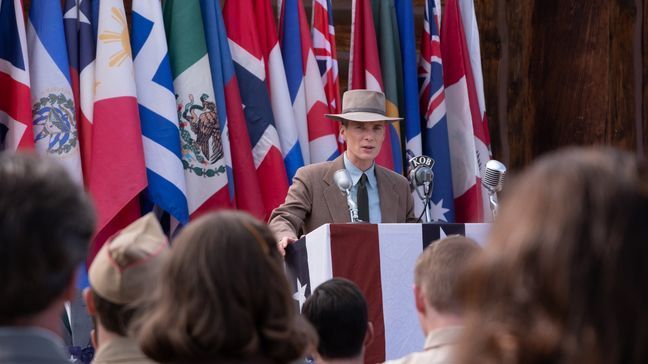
pixel 363 106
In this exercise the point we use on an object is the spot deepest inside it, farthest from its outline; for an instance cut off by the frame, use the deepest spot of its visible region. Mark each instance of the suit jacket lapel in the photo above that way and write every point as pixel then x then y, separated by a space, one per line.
pixel 388 195
pixel 335 200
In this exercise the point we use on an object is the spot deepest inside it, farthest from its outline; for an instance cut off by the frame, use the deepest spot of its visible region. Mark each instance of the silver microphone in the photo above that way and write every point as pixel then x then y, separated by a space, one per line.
pixel 493 180
pixel 342 179
pixel 420 174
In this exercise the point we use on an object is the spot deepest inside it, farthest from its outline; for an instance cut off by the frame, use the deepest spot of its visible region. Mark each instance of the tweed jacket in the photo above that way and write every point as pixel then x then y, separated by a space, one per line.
pixel 314 200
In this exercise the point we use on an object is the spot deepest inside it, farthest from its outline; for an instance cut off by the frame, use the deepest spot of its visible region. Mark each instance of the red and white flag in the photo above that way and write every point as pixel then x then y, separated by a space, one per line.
pixel 15 100
pixel 364 65
pixel 325 52
pixel 117 170
pixel 465 131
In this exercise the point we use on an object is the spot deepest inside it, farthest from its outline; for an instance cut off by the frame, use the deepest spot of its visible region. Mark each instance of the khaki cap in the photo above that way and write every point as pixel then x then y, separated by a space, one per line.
pixel 126 263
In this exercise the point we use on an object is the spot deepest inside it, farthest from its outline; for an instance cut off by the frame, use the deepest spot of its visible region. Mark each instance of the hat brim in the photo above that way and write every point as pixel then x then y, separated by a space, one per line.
pixel 363 117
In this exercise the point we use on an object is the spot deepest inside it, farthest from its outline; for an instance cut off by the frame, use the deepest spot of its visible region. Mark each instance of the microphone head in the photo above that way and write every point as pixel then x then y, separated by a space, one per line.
pixel 494 173
pixel 342 179
pixel 423 175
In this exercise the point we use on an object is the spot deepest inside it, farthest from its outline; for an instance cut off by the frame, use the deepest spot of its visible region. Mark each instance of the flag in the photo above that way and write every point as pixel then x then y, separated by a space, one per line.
pixel 305 83
pixel 433 114
pixel 80 40
pixel 410 106
pixel 53 111
pixel 243 30
pixel 117 171
pixel 203 155
pixel 476 88
pixel 462 119
pixel 15 101
pixel 364 65
pixel 245 189
pixel 325 52
pixel 158 113
pixel 379 259
pixel 388 39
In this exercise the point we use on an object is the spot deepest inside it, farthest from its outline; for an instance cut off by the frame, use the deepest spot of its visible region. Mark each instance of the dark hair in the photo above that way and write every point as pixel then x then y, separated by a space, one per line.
pixel 338 311
pixel 563 278
pixel 439 268
pixel 46 223
pixel 223 295
pixel 114 317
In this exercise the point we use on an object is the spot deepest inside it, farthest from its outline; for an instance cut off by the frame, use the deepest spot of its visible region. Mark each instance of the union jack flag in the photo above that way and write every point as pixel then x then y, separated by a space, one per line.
pixel 323 34
pixel 433 109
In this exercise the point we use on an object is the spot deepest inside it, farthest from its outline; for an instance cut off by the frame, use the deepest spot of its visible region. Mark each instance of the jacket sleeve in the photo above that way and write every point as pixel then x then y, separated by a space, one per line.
pixel 288 219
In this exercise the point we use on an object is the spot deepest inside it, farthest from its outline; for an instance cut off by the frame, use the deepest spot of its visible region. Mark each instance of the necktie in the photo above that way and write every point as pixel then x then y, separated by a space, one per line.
pixel 363 199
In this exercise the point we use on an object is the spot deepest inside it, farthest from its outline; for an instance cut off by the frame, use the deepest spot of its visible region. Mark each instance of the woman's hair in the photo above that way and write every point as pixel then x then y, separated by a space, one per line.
pixel 564 278
pixel 223 296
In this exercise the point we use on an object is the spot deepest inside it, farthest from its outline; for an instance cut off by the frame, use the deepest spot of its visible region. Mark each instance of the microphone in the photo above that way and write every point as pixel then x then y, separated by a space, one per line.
pixel 420 174
pixel 342 179
pixel 493 180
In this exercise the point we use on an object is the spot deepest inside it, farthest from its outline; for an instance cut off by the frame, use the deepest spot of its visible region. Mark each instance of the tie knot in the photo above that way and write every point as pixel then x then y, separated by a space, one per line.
pixel 363 179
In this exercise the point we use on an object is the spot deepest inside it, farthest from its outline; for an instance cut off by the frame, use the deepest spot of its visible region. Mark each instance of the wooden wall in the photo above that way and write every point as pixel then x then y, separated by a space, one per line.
pixel 556 72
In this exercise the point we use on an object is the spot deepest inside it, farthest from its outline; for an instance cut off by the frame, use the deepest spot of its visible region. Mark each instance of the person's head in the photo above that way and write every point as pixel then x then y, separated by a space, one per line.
pixel 563 278
pixel 363 124
pixel 436 278
pixel 338 311
pixel 46 222
pixel 222 295
pixel 123 269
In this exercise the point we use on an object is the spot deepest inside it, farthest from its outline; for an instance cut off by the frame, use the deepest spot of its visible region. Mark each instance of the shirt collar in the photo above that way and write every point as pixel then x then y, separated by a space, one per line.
pixel 356 172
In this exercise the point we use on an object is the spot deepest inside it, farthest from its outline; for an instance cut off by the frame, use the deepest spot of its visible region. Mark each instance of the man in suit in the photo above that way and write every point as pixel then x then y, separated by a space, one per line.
pixel 46 222
pixel 381 194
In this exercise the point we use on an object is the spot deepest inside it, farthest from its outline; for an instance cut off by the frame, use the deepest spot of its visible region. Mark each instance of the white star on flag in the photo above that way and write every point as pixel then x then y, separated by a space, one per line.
pixel 438 211
pixel 300 295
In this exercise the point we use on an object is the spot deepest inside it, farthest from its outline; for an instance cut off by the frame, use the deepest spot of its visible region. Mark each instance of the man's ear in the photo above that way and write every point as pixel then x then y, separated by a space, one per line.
pixel 342 132
pixel 369 335
pixel 89 301
pixel 419 299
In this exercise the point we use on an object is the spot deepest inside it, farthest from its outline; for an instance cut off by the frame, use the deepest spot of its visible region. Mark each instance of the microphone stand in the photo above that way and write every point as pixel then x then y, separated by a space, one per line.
pixel 427 194
pixel 492 197
pixel 353 206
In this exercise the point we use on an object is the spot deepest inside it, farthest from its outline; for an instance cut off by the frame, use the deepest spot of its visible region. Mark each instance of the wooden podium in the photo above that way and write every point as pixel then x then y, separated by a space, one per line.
pixel 380 259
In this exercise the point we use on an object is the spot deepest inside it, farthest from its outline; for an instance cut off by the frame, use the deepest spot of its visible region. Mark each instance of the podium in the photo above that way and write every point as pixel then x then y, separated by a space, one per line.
pixel 380 259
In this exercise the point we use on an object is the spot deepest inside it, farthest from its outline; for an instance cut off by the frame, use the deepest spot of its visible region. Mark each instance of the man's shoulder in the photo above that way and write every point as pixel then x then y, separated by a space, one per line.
pixel 431 356
pixel 315 169
pixel 396 178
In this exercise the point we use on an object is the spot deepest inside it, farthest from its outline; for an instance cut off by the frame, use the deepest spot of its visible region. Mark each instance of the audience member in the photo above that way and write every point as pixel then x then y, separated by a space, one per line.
pixel 46 223
pixel 338 312
pixel 123 269
pixel 223 297
pixel 563 279
pixel 436 277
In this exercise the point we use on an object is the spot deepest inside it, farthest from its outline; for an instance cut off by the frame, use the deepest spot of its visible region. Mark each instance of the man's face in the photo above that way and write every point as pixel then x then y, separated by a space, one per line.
pixel 363 141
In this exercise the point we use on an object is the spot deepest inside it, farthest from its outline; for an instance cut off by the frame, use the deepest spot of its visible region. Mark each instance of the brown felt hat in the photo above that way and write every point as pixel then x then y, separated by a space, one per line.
pixel 127 262
pixel 363 106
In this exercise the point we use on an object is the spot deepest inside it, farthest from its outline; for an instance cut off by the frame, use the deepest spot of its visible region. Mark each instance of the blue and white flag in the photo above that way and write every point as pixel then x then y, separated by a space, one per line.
pixel 157 108
pixel 53 111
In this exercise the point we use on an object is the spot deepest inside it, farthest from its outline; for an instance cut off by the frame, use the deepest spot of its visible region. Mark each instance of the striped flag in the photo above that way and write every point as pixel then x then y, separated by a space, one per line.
pixel 380 259
pixel 15 101
pixel 364 65
pixel 117 171
pixel 244 190
pixel 389 49
pixel 158 113
pixel 466 149
pixel 433 114
pixel 203 155
pixel 476 89
pixel 305 83
pixel 250 66
pixel 54 117
pixel 325 52
pixel 80 39
pixel 293 130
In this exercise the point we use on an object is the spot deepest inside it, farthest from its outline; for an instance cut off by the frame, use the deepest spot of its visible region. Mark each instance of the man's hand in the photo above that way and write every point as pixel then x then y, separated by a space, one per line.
pixel 283 243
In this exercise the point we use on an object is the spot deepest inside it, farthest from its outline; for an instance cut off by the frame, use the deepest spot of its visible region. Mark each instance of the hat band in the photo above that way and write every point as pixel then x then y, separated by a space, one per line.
pixel 363 109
